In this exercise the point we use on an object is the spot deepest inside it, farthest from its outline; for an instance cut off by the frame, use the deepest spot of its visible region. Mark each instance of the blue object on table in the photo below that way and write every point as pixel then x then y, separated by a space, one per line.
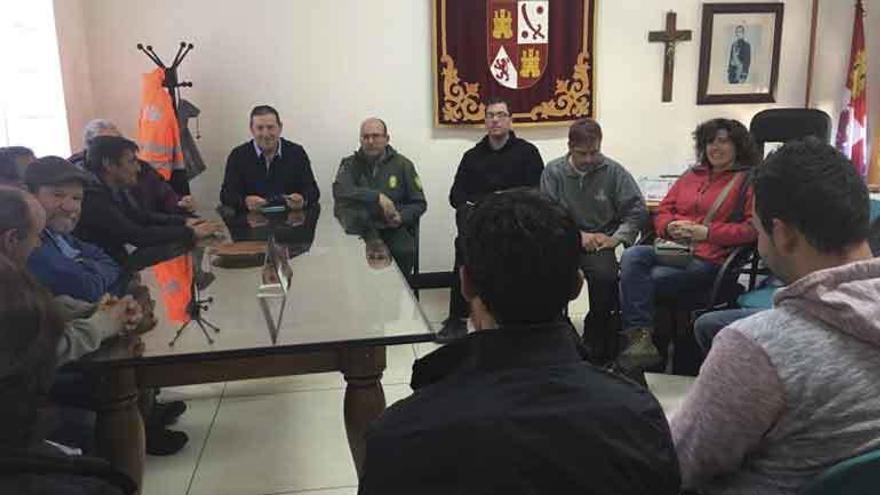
pixel 273 209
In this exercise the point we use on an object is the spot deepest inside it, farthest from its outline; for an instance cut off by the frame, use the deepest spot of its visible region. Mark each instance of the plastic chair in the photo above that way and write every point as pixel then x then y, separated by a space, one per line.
pixel 859 475
pixel 778 125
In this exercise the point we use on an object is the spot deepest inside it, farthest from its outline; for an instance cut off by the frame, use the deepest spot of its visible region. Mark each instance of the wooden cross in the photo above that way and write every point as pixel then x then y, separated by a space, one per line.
pixel 669 38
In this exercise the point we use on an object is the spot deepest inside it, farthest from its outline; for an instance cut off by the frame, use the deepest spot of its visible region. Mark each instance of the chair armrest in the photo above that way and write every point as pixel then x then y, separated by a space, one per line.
pixel 732 267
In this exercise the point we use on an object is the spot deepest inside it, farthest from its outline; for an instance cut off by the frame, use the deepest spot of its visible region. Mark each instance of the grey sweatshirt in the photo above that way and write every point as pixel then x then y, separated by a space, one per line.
pixel 789 392
pixel 84 329
pixel 605 199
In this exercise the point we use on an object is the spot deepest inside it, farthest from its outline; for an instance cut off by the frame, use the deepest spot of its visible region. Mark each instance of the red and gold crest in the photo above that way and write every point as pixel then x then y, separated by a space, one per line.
pixel 539 57
pixel 518 41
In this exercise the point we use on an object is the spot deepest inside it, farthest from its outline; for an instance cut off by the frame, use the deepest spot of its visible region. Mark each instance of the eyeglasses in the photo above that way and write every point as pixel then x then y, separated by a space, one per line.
pixel 496 115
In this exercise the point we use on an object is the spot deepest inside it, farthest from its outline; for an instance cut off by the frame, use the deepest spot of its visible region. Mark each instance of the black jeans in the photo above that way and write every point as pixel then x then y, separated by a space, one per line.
pixel 600 326
pixel 458 307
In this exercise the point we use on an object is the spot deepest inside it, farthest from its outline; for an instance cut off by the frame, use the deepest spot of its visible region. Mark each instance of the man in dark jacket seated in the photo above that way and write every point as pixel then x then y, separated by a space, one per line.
pixel 152 192
pixel 112 222
pixel 512 408
pixel 268 170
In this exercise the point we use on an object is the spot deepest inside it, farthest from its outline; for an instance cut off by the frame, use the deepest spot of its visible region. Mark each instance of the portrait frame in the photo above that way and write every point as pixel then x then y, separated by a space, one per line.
pixel 740 47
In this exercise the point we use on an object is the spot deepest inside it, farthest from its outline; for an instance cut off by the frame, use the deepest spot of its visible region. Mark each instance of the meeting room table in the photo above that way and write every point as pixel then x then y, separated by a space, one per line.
pixel 342 306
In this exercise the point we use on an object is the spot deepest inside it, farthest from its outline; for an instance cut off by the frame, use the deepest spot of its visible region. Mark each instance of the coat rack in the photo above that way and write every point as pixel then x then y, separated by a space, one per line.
pixel 171 82
pixel 179 180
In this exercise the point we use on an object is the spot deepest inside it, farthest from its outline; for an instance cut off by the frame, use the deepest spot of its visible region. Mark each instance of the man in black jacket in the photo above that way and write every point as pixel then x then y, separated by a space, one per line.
pixel 268 169
pixel 111 222
pixel 498 162
pixel 513 408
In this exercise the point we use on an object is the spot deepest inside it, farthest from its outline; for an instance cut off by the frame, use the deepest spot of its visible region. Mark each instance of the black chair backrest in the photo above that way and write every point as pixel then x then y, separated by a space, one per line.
pixel 778 125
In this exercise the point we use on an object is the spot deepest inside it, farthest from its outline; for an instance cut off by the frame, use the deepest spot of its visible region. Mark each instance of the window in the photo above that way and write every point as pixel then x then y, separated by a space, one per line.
pixel 32 110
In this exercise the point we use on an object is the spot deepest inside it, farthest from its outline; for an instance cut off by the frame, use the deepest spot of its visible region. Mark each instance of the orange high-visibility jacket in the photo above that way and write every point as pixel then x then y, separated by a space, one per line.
pixel 158 132
pixel 175 286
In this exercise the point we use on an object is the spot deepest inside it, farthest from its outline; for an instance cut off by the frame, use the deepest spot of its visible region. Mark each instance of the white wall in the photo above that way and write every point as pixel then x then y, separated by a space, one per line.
pixel 73 48
pixel 328 64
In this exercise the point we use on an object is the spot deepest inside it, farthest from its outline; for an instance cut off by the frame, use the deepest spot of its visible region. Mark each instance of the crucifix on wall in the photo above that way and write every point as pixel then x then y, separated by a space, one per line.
pixel 669 38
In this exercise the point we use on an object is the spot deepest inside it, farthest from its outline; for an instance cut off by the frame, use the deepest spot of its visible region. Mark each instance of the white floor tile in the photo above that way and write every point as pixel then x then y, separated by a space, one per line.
pixel 192 392
pixel 394 393
pixel 284 384
pixel 276 444
pixel 580 306
pixel 399 360
pixel 345 490
pixel 171 475
pixel 434 303
pixel 424 348
pixel 670 390
pixel 398 366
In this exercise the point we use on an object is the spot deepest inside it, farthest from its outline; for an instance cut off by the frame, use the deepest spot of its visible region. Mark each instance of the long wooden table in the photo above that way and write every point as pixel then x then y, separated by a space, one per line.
pixel 339 315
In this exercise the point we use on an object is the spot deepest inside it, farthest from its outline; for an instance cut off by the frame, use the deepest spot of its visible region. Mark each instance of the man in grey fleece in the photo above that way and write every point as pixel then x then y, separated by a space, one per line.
pixel 789 392
pixel 22 219
pixel 609 209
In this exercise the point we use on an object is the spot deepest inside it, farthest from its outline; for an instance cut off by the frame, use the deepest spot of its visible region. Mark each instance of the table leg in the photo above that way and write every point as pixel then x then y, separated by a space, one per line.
pixel 120 427
pixel 364 397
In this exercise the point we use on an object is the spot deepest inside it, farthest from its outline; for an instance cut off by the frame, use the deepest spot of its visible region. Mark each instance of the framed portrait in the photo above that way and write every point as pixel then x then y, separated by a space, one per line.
pixel 739 53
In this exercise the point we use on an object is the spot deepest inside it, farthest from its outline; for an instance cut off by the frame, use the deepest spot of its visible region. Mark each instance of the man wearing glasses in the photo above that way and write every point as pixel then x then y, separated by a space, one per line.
pixel 378 195
pixel 608 207
pixel 498 162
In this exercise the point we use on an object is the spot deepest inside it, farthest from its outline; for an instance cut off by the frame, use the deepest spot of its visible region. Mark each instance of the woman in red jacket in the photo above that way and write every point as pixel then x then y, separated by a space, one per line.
pixel 725 153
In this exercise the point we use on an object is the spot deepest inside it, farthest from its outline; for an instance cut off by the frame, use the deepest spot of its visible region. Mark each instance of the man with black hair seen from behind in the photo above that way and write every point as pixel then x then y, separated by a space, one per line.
pixel 512 408
pixel 500 161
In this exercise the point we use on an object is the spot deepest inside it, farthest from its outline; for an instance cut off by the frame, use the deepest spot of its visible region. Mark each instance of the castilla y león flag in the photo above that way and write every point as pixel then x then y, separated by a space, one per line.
pixel 851 127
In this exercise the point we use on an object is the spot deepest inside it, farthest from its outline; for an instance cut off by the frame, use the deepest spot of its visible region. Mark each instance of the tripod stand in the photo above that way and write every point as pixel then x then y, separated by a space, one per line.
pixel 195 308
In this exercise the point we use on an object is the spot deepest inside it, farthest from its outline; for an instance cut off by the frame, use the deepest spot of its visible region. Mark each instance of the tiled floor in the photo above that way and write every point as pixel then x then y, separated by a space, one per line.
pixel 285 435
pixel 274 436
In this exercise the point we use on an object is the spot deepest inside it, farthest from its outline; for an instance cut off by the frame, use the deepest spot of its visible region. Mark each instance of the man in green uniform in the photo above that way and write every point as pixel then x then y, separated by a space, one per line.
pixel 378 195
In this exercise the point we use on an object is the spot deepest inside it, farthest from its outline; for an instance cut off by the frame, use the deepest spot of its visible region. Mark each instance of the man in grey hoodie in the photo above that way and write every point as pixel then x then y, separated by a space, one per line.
pixel 609 209
pixel 789 392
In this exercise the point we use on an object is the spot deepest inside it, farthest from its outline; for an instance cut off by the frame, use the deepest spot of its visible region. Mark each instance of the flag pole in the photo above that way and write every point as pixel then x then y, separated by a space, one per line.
pixel 812 55
pixel 874 157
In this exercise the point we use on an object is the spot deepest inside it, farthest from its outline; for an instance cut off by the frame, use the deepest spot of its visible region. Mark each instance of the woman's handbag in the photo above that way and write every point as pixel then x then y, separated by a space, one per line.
pixel 671 253
pixel 678 254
